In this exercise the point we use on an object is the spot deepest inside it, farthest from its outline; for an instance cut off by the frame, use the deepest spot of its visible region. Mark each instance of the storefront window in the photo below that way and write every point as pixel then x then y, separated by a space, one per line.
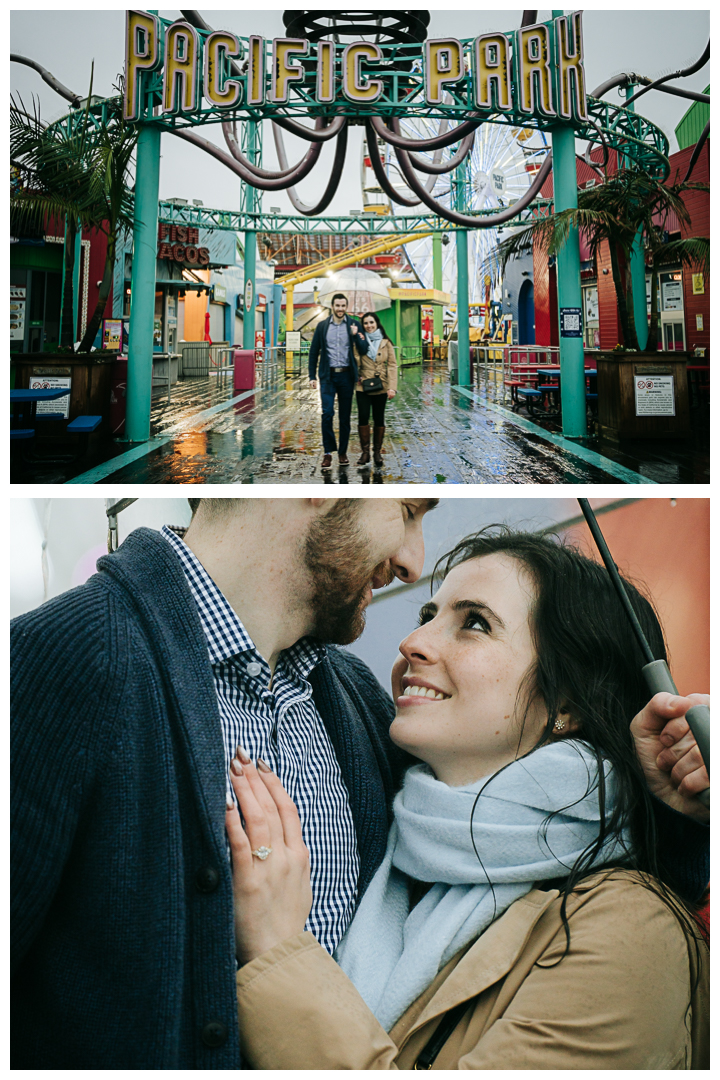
pixel 591 317
pixel 671 291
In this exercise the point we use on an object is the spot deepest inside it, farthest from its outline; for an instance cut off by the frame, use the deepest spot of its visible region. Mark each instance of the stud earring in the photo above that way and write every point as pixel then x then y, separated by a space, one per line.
pixel 559 724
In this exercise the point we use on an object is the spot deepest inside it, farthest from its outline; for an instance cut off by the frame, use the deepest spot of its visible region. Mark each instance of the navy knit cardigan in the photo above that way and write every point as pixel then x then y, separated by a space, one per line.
pixel 122 939
pixel 122 936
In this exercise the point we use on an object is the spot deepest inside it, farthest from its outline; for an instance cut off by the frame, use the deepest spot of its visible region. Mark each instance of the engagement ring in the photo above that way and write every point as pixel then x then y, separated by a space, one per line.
pixel 262 853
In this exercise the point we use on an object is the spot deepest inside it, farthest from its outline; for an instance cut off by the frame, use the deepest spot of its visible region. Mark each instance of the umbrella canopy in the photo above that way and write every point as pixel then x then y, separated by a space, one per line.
pixel 365 290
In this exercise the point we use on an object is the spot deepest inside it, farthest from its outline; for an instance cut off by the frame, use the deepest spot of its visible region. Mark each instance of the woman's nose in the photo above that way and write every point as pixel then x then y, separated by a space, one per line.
pixel 420 646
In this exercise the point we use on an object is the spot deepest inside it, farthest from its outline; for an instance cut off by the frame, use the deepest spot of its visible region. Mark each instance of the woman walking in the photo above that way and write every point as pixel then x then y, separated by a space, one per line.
pixel 376 383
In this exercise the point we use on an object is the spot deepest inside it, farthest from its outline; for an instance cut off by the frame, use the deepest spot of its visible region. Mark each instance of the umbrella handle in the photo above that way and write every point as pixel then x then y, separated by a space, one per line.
pixel 658 679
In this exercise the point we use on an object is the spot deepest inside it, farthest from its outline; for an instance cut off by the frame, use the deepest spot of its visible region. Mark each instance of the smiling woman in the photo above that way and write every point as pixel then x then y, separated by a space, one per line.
pixel 524 915
pixel 468 651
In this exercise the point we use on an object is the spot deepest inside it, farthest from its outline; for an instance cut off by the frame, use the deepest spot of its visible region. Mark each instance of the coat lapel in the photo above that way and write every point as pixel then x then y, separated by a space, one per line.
pixel 491 957
pixel 154 583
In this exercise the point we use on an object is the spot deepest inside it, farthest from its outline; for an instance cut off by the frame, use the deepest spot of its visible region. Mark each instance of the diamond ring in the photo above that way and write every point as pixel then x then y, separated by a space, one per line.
pixel 262 853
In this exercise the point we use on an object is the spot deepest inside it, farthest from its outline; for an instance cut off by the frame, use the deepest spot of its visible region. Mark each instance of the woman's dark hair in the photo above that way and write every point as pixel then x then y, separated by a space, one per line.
pixel 372 314
pixel 588 664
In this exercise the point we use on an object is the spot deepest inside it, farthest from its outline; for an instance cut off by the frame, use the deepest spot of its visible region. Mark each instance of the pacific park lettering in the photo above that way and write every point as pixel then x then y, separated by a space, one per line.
pixel 534 71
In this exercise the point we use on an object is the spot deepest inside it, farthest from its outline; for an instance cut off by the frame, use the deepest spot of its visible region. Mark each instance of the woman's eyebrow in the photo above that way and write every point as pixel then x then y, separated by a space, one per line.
pixel 477 605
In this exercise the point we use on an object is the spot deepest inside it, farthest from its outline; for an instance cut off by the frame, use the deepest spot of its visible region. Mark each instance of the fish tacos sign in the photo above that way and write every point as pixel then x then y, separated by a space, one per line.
pixel 174 71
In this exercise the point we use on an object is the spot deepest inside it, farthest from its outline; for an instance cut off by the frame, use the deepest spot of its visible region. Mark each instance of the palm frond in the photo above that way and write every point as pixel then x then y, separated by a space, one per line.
pixel 692 252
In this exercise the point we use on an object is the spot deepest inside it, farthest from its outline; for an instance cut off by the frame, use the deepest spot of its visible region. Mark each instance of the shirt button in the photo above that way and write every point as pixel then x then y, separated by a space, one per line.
pixel 215 1033
pixel 254 669
pixel 207 879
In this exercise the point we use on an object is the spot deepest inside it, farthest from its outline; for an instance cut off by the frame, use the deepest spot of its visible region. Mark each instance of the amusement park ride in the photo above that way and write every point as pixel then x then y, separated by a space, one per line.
pixel 460 136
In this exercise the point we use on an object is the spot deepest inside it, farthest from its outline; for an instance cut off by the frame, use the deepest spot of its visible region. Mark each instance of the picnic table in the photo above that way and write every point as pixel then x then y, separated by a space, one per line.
pixel 544 398
pixel 22 424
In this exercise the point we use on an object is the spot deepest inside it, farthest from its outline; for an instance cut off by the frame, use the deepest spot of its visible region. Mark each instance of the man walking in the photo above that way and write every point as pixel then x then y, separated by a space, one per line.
pixel 332 345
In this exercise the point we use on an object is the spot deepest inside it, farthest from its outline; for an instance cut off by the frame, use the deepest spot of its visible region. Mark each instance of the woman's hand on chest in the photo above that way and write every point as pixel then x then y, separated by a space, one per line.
pixel 270 862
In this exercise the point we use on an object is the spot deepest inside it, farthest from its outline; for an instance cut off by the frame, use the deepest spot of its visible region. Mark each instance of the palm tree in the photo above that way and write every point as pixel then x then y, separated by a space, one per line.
pixel 112 151
pixel 624 206
pixel 79 171
pixel 50 183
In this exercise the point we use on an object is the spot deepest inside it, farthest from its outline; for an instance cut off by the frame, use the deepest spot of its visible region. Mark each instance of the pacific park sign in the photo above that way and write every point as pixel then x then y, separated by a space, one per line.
pixel 536 71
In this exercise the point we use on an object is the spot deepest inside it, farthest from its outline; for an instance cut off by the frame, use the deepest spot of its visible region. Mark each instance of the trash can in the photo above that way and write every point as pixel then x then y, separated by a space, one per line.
pixel 244 369
pixel 643 395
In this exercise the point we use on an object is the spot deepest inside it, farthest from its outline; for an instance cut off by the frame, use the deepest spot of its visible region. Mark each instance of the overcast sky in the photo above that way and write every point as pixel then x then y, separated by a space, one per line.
pixel 651 42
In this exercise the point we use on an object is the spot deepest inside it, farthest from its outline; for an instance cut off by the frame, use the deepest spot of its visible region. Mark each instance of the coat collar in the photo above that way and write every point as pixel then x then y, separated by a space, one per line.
pixel 491 957
pixel 148 575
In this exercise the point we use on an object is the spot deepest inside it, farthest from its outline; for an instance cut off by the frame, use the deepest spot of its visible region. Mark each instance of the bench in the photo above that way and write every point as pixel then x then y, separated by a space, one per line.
pixel 81 426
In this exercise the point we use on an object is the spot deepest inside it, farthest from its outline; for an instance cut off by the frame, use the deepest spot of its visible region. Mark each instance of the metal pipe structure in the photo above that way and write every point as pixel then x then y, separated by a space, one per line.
pixel 656 672
pixel 47 77
pixel 290 172
pixel 696 152
pixel 333 181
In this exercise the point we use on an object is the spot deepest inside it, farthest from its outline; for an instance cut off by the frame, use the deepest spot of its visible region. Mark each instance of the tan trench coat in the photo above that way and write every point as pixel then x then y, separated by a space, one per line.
pixel 384 365
pixel 621 999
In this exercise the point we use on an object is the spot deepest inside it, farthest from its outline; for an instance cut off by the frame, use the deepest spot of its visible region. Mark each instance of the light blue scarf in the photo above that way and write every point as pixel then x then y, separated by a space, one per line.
pixel 374 340
pixel 392 954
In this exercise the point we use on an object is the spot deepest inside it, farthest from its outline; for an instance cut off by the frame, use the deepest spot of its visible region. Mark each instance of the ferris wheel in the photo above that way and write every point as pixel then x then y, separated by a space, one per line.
pixel 500 168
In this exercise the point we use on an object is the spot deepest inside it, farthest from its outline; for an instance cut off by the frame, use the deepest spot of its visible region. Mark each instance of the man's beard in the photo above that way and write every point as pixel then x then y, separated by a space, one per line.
pixel 337 557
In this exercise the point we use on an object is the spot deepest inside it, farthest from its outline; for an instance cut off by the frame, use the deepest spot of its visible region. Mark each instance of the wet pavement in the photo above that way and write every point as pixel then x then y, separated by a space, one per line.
pixel 436 433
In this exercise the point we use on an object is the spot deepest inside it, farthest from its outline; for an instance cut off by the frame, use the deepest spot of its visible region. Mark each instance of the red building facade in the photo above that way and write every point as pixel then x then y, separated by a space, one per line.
pixel 684 296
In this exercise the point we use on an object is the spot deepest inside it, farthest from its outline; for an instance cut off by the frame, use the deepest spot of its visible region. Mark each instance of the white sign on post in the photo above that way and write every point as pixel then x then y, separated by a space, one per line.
pixel 654 395
pixel 293 340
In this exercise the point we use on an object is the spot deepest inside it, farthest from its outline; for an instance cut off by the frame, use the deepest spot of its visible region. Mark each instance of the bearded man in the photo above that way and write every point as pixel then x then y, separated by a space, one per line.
pixel 131 695
pixel 135 691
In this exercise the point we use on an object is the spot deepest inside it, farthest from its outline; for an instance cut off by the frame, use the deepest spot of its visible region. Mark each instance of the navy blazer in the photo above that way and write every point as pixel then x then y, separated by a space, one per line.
pixel 123 950
pixel 318 349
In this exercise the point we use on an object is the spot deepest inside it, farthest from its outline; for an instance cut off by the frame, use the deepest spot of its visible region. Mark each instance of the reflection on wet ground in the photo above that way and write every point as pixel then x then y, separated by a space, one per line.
pixel 435 434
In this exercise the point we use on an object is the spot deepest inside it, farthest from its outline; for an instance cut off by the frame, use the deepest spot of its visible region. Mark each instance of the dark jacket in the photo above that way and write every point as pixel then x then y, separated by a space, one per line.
pixel 122 936
pixel 318 349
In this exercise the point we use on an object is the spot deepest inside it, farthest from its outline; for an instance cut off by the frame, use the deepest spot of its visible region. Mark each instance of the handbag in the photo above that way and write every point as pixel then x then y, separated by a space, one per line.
pixel 371 385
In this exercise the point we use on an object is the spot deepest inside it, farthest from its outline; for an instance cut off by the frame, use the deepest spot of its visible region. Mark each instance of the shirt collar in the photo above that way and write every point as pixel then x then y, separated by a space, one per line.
pixel 225 634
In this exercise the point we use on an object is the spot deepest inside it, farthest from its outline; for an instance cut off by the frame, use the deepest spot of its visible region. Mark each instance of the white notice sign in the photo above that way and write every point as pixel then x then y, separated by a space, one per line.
pixel 58 407
pixel 293 340
pixel 654 395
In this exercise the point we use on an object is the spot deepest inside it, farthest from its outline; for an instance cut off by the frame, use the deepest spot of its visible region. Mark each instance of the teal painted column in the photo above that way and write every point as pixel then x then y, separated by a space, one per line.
pixel 251 204
pixel 142 299
pixel 572 353
pixel 463 309
pixel 76 282
pixel 637 263
pixel 437 283
pixel 249 275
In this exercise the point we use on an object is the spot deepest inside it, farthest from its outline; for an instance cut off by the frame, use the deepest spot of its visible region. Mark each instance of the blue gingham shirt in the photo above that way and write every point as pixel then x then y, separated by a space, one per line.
pixel 283 727
pixel 338 343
